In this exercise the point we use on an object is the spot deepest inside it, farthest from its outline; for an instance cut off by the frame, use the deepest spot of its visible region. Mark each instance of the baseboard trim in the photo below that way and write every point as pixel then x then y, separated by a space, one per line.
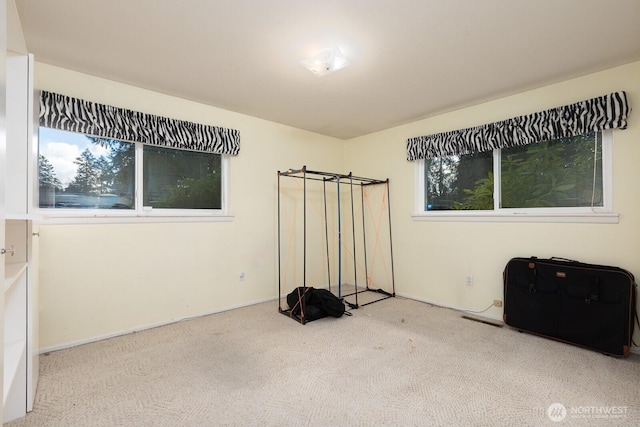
pixel 493 317
pixel 71 344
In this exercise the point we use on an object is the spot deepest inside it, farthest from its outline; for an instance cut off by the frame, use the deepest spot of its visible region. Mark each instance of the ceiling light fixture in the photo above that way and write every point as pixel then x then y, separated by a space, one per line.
pixel 327 61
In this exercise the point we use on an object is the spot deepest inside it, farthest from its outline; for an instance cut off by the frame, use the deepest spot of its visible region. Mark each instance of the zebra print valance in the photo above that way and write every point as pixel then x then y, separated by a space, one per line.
pixel 596 114
pixel 77 115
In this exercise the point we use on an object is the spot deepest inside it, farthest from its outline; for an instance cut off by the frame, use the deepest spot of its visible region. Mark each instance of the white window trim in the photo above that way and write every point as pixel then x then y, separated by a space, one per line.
pixel 139 214
pixel 601 215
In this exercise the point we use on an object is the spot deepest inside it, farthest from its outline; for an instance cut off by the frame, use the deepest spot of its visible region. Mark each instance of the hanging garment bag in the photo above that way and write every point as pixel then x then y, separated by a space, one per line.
pixel 584 304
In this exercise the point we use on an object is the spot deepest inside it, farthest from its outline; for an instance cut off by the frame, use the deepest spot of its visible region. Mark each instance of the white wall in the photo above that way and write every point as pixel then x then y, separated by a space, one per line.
pixel 102 279
pixel 432 259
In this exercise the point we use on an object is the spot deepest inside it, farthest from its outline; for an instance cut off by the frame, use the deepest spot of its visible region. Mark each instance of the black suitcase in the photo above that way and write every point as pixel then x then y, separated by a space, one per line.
pixel 588 305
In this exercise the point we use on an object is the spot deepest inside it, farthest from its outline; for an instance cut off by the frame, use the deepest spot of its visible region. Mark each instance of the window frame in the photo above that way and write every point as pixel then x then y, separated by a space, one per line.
pixel 139 213
pixel 598 214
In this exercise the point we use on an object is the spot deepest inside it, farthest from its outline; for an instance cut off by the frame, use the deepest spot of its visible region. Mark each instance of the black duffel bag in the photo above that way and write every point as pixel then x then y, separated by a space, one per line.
pixel 316 303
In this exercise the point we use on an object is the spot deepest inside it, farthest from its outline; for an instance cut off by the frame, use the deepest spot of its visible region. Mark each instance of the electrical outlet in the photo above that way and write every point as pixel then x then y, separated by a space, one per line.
pixel 469 281
pixel 241 276
pixel 497 302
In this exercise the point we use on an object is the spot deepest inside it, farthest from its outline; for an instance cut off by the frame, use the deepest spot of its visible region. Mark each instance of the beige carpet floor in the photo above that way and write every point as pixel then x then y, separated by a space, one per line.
pixel 397 362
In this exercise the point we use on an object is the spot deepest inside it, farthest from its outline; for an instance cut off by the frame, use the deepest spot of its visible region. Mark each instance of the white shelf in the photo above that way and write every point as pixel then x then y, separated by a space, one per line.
pixel 20 279
pixel 13 354
pixel 12 273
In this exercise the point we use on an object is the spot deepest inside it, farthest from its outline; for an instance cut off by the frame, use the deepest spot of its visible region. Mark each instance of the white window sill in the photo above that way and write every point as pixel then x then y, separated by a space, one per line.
pixel 22 216
pixel 593 218
pixel 131 218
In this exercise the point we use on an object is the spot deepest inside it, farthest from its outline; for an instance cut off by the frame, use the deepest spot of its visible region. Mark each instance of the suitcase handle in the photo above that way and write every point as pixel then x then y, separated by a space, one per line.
pixel 555 258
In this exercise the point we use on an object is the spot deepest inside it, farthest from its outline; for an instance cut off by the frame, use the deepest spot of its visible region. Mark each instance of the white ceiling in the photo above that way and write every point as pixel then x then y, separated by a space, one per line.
pixel 411 59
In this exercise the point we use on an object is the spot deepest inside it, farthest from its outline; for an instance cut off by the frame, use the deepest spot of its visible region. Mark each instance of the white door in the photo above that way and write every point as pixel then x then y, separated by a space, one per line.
pixel 3 148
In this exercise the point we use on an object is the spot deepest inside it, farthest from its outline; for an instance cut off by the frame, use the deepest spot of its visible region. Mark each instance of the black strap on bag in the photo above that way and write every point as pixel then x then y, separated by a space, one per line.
pixel 638 322
pixel 593 290
pixel 532 274
pixel 635 310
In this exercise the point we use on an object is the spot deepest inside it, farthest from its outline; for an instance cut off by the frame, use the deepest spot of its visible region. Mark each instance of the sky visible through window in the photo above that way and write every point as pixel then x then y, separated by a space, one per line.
pixel 62 148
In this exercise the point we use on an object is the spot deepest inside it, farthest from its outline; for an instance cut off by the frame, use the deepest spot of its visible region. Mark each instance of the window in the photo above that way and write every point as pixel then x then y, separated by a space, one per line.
pixel 447 180
pixel 564 175
pixel 551 165
pixel 82 172
pixel 181 179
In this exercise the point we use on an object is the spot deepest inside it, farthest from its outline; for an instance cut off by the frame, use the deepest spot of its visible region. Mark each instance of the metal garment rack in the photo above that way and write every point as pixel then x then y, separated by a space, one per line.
pixel 338 179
